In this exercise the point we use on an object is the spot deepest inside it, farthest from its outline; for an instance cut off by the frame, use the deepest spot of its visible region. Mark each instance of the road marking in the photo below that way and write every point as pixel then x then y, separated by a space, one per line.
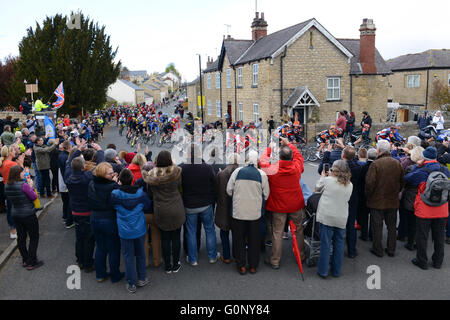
pixel 313 164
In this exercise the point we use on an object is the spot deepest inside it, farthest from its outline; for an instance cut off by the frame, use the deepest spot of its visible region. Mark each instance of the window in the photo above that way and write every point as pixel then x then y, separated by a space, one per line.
pixel 217 80
pixel 413 81
pixel 228 78
pixel 333 88
pixel 209 108
pixel 255 112
pixel 239 77
pixel 255 74
pixel 218 109
pixel 208 81
pixel 241 111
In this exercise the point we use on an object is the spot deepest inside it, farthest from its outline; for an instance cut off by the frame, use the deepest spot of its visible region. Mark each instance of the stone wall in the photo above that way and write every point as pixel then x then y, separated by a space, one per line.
pixel 14 115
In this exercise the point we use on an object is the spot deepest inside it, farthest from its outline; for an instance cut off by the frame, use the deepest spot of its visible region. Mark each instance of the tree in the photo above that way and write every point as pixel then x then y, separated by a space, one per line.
pixel 441 94
pixel 171 68
pixel 82 58
pixel 8 69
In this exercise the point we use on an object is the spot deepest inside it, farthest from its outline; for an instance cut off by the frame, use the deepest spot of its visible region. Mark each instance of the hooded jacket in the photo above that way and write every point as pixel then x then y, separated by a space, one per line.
pixel 130 203
pixel 165 184
pixel 286 195
pixel 43 155
pixel 99 198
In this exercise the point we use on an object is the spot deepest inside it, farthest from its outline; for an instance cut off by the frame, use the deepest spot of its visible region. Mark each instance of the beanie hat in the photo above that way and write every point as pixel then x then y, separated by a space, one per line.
pixel 110 154
pixel 129 157
pixel 430 153
pixel 416 154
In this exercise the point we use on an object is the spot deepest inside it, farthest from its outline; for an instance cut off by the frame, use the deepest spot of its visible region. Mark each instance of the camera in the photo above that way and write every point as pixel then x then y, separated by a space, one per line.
pixel 89 146
pixel 332 141
pixel 326 167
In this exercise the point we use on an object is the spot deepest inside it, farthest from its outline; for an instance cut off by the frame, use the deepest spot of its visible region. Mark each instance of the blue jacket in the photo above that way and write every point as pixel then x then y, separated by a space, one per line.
pixel 130 203
pixel 423 122
pixel 419 175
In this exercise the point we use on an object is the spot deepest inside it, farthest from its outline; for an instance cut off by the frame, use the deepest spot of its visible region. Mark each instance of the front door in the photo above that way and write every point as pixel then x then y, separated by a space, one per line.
pixel 301 114
pixel 230 112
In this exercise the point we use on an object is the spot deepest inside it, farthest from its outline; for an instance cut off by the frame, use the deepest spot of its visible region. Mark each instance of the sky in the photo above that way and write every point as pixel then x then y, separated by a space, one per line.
pixel 150 34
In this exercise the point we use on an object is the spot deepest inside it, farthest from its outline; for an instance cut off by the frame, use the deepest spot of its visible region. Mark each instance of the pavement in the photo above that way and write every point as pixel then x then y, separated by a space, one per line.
pixel 398 278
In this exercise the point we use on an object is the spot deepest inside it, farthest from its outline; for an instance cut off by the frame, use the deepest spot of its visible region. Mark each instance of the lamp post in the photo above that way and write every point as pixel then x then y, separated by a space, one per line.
pixel 201 85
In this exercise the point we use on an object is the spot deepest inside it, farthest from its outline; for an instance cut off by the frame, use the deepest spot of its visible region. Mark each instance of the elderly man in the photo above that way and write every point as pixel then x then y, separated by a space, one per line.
pixel 249 188
pixel 384 182
pixel 286 198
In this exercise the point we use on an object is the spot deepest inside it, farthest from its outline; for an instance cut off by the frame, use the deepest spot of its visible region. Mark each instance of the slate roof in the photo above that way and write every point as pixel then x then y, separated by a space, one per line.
pixel 213 67
pixel 139 73
pixel 352 45
pixel 150 87
pixel 235 48
pixel 265 47
pixel 131 84
pixel 146 95
pixel 424 60
pixel 197 80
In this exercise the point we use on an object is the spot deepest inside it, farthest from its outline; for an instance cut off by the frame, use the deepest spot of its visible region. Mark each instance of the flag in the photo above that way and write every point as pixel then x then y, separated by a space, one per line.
pixel 49 128
pixel 59 92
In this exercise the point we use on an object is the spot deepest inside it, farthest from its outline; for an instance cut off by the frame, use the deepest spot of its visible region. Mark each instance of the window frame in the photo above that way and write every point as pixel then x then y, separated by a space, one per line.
pixel 228 78
pixel 415 83
pixel 255 75
pixel 241 111
pixel 217 80
pixel 218 109
pixel 209 108
pixel 255 115
pixel 239 77
pixel 333 88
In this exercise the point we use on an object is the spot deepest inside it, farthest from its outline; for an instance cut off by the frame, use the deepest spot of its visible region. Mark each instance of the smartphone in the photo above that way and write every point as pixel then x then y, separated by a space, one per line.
pixel 326 167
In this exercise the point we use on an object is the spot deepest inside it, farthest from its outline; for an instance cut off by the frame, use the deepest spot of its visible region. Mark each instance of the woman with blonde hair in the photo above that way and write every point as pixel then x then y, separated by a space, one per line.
pixel 332 215
pixel 104 223
pixel 136 165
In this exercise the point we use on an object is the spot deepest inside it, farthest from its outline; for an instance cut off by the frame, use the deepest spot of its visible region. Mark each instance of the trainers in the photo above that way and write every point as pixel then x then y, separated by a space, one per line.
pixel 131 288
pixel 168 269
pixel 194 264
pixel 268 243
pixel 12 236
pixel 70 226
pixel 35 266
pixel 176 268
pixel 212 261
pixel 286 235
pixel 143 283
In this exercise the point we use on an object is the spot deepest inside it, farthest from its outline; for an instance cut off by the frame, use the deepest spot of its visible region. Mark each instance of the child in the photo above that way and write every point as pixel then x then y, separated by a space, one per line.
pixel 130 203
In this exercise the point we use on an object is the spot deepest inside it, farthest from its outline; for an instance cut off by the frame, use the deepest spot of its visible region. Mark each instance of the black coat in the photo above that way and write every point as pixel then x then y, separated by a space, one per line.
pixel 198 185
pixel 99 198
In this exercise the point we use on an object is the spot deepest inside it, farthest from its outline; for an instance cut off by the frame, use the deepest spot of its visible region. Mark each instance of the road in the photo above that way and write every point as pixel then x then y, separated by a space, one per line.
pixel 399 279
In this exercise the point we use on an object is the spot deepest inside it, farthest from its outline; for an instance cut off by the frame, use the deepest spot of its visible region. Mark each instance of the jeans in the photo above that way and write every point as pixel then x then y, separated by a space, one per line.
pixel 45 183
pixel 134 269
pixel 107 246
pixel 171 246
pixel 402 228
pixel 207 218
pixel 28 227
pixel 448 228
pixel 84 241
pixel 225 239
pixel 37 180
pixel 331 236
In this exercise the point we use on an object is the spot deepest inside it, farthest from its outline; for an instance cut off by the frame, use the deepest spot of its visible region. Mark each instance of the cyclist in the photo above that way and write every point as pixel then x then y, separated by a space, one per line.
pixel 391 134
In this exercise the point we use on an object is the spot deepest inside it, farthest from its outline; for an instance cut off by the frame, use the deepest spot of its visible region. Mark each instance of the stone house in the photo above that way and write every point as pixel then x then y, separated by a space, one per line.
pixel 193 94
pixel 126 92
pixel 300 70
pixel 153 91
pixel 411 83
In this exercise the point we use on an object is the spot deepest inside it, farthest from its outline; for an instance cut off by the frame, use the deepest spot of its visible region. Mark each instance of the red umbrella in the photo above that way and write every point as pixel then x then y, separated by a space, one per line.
pixel 295 247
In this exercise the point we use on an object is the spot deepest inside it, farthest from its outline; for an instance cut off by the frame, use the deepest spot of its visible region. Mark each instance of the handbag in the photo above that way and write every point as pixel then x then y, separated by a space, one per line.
pixel 37 202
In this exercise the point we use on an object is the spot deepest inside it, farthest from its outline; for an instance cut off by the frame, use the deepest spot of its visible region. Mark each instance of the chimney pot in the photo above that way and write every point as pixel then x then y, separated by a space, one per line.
pixel 367 46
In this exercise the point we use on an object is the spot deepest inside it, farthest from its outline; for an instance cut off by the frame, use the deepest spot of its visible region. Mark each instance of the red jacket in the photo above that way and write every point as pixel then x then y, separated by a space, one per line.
pixel 136 171
pixel 341 122
pixel 286 195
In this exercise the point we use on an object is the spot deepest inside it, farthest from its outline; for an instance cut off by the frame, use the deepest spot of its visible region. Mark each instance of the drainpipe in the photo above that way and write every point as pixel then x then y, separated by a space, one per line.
pixel 235 96
pixel 426 94
pixel 351 93
pixel 281 80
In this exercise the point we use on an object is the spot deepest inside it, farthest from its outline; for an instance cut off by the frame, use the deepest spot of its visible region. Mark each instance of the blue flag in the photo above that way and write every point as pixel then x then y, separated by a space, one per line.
pixel 49 128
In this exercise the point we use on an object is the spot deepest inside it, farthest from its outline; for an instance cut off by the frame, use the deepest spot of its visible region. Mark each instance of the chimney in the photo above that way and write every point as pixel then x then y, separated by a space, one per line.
pixel 208 63
pixel 259 27
pixel 367 47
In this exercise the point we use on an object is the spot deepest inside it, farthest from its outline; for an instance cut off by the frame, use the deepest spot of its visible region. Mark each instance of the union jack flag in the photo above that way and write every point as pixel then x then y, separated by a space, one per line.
pixel 59 92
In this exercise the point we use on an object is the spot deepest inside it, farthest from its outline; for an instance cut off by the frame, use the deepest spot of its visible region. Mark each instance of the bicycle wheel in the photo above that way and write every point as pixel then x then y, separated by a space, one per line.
pixel 133 142
pixel 152 139
pixel 312 154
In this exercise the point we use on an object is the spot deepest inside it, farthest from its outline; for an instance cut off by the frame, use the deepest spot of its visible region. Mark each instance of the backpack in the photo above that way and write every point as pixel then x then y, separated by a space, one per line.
pixel 437 188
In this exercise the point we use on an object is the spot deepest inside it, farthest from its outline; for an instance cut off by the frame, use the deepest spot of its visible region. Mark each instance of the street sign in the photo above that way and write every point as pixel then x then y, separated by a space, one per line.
pixel 31 88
